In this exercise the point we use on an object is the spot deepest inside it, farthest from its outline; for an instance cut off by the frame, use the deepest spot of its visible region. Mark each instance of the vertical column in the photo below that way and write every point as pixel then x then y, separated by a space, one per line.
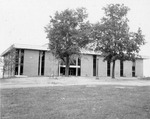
pixel 19 62
pixel 40 63
pixel 58 68
pixel 97 63
pixel 77 66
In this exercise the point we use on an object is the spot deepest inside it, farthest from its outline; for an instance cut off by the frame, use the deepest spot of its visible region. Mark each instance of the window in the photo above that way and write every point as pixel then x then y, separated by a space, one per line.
pixel 121 68
pixel 79 62
pixel 21 61
pixel 79 72
pixel 108 68
pixel 74 68
pixel 41 64
pixel 62 70
pixel 17 61
pixel 133 68
pixel 73 62
pixel 94 65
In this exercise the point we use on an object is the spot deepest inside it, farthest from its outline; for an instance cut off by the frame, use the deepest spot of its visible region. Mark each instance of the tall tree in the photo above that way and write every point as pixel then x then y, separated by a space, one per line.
pixel 67 33
pixel 113 38
pixel 9 62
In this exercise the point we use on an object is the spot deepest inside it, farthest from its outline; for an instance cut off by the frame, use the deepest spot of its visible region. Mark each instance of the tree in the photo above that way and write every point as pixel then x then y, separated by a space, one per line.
pixel 9 62
pixel 113 38
pixel 68 33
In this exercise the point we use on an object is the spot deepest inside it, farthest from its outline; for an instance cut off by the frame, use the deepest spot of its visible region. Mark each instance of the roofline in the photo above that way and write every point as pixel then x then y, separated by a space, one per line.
pixel 20 47
pixel 40 48
pixel 7 50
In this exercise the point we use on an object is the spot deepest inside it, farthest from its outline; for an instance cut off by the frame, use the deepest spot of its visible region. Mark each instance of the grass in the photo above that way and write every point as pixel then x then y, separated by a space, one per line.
pixel 145 78
pixel 76 102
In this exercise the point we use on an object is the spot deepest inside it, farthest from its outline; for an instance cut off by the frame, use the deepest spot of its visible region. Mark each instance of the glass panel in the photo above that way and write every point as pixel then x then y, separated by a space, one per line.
pixel 73 62
pixel 17 60
pixel 79 72
pixel 108 68
pixel 133 68
pixel 79 62
pixel 121 68
pixel 42 62
pixel 94 65
pixel 21 62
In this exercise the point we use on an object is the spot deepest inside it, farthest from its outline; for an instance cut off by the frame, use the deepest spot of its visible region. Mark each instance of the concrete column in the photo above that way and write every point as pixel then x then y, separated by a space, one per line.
pixel 97 63
pixel 19 62
pixel 40 63
pixel 77 66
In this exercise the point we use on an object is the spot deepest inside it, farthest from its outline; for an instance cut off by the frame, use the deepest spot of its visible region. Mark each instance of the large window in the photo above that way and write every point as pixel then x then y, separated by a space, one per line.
pixel 17 61
pixel 21 61
pixel 121 68
pixel 74 69
pixel 73 62
pixel 94 65
pixel 41 64
pixel 108 68
pixel 79 61
pixel 133 68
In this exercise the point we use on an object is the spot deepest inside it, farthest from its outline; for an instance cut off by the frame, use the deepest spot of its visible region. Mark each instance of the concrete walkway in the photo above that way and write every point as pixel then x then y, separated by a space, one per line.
pixel 68 81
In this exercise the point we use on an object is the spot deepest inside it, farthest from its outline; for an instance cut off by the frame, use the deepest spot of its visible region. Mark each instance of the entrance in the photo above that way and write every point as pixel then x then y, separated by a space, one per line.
pixel 72 71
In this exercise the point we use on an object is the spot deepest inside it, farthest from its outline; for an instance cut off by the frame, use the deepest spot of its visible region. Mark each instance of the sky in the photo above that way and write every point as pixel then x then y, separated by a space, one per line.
pixel 23 21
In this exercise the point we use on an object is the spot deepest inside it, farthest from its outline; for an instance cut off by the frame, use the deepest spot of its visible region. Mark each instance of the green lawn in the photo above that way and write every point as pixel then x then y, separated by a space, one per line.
pixel 76 102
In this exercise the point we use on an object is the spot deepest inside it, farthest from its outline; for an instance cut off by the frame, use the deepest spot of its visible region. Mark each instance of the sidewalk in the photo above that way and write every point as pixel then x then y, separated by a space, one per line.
pixel 68 81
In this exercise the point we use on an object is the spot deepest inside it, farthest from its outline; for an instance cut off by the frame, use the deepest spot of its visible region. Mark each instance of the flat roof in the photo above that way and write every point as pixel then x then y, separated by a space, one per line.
pixel 45 48
pixel 25 46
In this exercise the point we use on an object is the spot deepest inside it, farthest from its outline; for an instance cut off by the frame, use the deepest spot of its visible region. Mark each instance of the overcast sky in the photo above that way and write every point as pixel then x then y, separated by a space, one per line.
pixel 23 21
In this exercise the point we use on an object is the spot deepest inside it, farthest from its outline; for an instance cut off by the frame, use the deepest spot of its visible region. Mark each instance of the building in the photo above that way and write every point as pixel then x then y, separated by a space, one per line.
pixel 38 61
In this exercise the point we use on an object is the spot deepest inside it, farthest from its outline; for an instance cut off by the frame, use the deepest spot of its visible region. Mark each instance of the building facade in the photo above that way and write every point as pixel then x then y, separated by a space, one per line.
pixel 38 61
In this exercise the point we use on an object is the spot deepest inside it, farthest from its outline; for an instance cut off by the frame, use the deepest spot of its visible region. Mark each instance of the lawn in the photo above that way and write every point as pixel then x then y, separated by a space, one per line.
pixel 76 102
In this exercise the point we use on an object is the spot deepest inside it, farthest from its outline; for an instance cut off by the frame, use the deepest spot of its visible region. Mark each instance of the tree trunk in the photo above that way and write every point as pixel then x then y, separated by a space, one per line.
pixel 67 66
pixel 113 69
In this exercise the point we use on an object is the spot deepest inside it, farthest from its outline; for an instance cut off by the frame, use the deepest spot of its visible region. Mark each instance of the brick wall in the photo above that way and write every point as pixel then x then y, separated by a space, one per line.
pixel 102 67
pixel 139 68
pixel 87 65
pixel 31 58
pixel 117 68
pixel 51 65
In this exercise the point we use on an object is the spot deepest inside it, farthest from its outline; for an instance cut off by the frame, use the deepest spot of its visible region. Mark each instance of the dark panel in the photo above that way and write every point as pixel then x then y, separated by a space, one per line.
pixel 21 62
pixel 121 68
pixel 43 63
pixel 39 64
pixel 94 65
pixel 79 71
pixel 133 68
pixel 72 71
pixel 62 70
pixel 108 68
pixel 79 62
pixel 17 61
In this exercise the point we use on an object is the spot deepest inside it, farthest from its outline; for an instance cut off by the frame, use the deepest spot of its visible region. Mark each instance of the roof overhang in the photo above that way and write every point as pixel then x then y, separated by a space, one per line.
pixel 24 46
pixel 45 48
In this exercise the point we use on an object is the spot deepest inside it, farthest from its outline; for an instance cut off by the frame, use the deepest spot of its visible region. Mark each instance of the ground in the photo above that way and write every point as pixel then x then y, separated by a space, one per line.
pixel 86 101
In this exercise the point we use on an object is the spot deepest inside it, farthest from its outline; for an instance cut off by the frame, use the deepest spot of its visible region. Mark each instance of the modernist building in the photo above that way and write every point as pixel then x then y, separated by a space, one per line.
pixel 38 61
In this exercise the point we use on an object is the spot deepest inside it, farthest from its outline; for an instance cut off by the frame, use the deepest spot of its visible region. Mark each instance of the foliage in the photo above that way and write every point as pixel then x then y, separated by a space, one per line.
pixel 9 62
pixel 68 31
pixel 113 38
